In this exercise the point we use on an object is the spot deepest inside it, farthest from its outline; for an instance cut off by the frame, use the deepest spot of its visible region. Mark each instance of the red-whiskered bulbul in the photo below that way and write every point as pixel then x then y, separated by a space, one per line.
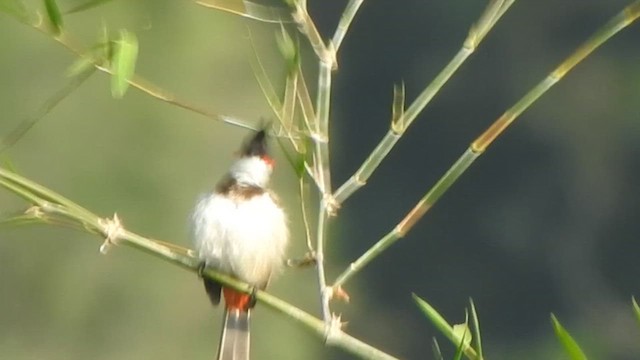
pixel 240 229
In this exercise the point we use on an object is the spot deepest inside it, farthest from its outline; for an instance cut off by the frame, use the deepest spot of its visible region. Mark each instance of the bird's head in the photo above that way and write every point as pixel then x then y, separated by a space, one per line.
pixel 255 165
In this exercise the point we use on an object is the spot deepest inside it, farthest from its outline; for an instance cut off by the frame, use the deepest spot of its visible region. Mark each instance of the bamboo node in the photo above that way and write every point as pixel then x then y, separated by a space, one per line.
pixel 333 329
pixel 332 205
pixel 35 211
pixel 112 230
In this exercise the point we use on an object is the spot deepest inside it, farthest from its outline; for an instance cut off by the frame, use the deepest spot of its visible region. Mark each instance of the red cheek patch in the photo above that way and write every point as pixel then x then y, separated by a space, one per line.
pixel 268 160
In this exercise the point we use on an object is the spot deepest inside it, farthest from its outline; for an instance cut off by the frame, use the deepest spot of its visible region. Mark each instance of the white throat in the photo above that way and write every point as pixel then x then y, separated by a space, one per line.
pixel 251 171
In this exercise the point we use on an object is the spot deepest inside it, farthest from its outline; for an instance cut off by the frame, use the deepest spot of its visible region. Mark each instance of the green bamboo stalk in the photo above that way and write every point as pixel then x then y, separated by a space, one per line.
pixel 325 296
pixel 52 203
pixel 401 229
pixel 477 33
pixel 308 29
pixel 320 135
pixel 345 21
pixel 627 16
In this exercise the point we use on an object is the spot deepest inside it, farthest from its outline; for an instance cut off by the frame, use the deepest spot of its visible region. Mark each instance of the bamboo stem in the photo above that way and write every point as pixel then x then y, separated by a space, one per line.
pixel 412 217
pixel 627 16
pixel 476 34
pixel 345 21
pixel 52 203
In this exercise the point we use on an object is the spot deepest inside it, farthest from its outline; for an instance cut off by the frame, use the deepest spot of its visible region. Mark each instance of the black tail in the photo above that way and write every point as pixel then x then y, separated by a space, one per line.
pixel 234 342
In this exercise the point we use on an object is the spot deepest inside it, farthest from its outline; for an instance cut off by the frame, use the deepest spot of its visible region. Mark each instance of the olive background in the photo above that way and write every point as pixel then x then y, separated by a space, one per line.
pixel 545 221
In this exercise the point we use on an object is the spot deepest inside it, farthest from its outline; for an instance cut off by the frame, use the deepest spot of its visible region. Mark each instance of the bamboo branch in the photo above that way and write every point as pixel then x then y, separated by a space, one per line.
pixel 412 217
pixel 345 21
pixel 51 204
pixel 626 17
pixel 24 126
pixel 476 34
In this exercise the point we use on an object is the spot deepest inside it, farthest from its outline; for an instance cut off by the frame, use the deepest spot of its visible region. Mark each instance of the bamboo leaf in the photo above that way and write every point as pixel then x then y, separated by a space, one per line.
pixel 476 329
pixel 437 354
pixel 250 9
pixel 86 6
pixel 571 347
pixel 123 64
pixel 456 334
pixel 304 99
pixel 263 81
pixel 636 309
pixel 54 16
pixel 462 331
pixel 288 48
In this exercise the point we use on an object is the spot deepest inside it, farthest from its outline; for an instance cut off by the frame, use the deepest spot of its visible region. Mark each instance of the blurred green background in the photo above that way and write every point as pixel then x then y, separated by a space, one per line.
pixel 545 222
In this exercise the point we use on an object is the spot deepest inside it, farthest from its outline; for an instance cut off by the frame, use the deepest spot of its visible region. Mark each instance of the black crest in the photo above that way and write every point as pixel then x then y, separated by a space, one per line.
pixel 256 145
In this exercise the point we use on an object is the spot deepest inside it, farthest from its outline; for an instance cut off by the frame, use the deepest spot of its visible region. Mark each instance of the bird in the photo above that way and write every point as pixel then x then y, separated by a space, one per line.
pixel 240 229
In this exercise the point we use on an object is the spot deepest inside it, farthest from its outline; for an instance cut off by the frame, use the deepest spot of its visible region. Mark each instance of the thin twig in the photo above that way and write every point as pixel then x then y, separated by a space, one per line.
pixel 137 81
pixel 27 124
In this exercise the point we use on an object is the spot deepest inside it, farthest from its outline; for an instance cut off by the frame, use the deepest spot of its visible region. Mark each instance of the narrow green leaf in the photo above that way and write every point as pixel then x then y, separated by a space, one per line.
pixel 465 337
pixel 289 102
pixel 299 164
pixel 476 329
pixel 304 99
pixel 636 308
pixel 263 81
pixel 123 64
pixel 288 48
pixel 461 331
pixel 571 347
pixel 438 321
pixel 455 334
pixel 86 6
pixel 437 354
pixel 14 8
pixel 250 9
pixel 54 15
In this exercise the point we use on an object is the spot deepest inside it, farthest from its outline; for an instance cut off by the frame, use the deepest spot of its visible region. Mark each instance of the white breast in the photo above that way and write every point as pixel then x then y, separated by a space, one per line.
pixel 244 238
